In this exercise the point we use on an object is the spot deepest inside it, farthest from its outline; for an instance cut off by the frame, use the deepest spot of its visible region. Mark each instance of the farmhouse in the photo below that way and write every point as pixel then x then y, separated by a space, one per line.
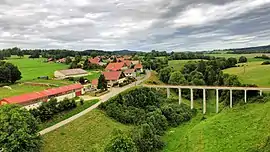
pixel 34 99
pixel 116 66
pixel 62 74
pixel 138 67
pixel 95 60
pixel 114 77
pixel 130 73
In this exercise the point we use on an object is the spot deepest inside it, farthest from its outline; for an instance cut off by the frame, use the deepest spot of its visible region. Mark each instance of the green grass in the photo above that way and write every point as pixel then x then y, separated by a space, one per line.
pixel 250 57
pixel 18 89
pixel 253 73
pixel 179 64
pixel 93 75
pixel 33 68
pixel 90 133
pixel 65 115
pixel 239 129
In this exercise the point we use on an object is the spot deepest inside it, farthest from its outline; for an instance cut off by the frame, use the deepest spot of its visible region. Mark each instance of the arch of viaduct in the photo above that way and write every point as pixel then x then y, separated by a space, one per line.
pixel 217 88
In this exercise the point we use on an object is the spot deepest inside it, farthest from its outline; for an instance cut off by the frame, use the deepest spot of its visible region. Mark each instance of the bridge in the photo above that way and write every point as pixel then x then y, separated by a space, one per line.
pixel 204 88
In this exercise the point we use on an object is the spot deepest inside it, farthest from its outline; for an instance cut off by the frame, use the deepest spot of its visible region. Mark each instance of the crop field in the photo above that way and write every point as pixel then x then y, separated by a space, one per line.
pixel 33 68
pixel 252 73
pixel 90 133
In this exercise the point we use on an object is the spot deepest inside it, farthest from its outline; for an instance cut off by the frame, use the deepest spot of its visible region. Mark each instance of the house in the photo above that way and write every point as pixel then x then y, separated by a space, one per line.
pixel 95 60
pixel 130 73
pixel 62 74
pixel 135 62
pixel 116 66
pixel 63 60
pixel 114 77
pixel 94 83
pixel 120 59
pixel 128 63
pixel 34 99
pixel 138 67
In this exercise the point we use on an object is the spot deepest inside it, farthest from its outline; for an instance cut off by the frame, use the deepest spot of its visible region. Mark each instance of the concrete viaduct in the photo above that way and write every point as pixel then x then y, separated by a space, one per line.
pixel 217 88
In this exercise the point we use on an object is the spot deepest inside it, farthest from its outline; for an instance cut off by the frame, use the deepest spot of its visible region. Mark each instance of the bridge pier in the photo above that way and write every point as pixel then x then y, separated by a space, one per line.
pixel 260 92
pixel 180 96
pixel 217 102
pixel 245 96
pixel 204 101
pixel 231 102
pixel 168 92
pixel 191 99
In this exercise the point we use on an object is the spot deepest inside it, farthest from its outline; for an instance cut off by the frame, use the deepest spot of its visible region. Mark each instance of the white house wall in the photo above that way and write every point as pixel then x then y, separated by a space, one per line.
pixel 68 96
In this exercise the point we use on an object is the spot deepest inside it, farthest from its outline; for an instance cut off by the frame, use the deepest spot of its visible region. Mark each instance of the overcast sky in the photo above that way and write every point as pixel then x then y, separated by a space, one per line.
pixel 177 25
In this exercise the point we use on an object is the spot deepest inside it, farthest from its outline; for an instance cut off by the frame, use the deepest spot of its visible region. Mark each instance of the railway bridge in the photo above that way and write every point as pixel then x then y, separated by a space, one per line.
pixel 204 88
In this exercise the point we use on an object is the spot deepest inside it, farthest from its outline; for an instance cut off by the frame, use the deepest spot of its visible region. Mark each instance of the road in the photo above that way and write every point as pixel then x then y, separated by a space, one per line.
pixel 104 98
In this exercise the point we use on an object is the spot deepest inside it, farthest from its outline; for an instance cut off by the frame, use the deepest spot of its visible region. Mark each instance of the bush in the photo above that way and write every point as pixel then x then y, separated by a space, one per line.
pixel 81 101
pixel 121 143
pixel 266 63
pixel 176 114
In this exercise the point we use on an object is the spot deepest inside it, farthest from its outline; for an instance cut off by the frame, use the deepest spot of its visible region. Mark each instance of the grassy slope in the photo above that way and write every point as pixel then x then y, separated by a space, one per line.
pixel 238 129
pixel 33 68
pixel 179 64
pixel 255 73
pixel 89 133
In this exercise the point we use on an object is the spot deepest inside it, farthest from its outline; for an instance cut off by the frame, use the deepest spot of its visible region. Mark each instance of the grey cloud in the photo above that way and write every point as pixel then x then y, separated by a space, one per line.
pixel 133 24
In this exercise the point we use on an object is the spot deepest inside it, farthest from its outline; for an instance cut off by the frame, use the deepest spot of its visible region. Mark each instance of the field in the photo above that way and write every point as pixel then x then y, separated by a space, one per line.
pixel 243 128
pixel 250 57
pixel 33 68
pixel 89 133
pixel 252 73
pixel 179 64
pixel 93 75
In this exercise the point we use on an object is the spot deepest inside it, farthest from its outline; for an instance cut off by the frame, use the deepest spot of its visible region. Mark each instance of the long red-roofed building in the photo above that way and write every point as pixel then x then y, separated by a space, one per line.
pixel 34 99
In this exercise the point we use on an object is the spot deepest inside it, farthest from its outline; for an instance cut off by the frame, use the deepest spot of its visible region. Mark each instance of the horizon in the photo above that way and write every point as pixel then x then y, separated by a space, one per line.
pixel 135 25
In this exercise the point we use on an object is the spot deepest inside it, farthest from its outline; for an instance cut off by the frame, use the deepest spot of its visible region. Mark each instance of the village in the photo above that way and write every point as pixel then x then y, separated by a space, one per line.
pixel 114 72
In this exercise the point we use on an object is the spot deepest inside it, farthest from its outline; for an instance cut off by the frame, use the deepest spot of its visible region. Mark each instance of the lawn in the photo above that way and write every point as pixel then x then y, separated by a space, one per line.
pixel 33 68
pixel 89 133
pixel 67 114
pixel 240 129
pixel 253 73
pixel 93 75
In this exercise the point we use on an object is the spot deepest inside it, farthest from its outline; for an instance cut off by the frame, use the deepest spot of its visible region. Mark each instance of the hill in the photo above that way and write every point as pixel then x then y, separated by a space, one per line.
pixel 257 49
pixel 102 52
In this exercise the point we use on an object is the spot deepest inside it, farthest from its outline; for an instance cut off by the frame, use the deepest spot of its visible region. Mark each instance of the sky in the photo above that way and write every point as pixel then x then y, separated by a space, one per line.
pixel 165 25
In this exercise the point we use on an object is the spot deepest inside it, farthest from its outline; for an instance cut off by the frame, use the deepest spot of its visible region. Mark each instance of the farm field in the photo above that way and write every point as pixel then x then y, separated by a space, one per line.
pixel 89 133
pixel 179 64
pixel 250 57
pixel 253 73
pixel 33 68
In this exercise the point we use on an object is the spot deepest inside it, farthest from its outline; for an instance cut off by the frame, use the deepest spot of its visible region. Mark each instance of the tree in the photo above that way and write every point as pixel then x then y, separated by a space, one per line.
pixel 164 74
pixel 15 74
pixel 20 54
pixel 9 73
pixel 242 59
pixel 18 130
pixel 121 143
pixel 34 54
pixel 102 83
pixel 177 78
pixel 86 64
pixel 68 60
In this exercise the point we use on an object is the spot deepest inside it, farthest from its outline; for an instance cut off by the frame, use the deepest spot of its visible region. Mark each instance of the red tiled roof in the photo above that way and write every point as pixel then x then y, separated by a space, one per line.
pixel 115 66
pixel 129 71
pixel 95 60
pixel 127 62
pixel 120 59
pixel 42 94
pixel 112 75
pixel 94 82
pixel 138 66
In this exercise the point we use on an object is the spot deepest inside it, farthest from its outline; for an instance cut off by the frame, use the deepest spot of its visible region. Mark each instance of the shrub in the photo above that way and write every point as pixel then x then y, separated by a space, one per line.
pixel 266 63
pixel 121 143
pixel 81 101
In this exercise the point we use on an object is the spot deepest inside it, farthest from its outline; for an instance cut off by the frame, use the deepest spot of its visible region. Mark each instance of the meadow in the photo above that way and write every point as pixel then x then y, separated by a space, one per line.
pixel 90 133
pixel 179 64
pixel 250 57
pixel 33 68
pixel 252 73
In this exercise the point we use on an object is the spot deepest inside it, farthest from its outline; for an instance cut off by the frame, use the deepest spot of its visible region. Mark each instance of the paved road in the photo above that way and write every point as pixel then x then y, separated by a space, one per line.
pixel 103 98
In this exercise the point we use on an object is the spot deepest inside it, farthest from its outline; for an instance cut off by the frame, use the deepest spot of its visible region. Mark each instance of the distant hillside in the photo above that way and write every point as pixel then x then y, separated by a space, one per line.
pixel 102 52
pixel 257 49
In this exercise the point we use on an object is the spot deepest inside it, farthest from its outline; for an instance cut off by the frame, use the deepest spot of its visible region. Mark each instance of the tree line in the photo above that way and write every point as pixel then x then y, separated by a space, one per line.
pixel 148 110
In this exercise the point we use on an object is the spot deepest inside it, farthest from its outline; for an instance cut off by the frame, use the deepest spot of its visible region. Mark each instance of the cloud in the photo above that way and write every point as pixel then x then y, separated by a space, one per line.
pixel 135 24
